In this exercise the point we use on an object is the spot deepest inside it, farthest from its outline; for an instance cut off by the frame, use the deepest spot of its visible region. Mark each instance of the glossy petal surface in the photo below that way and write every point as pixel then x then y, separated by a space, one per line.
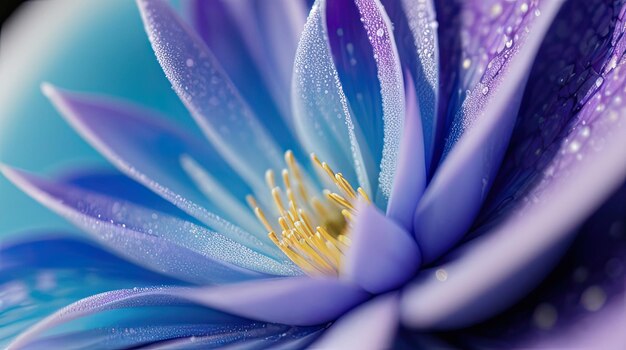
pixel 382 255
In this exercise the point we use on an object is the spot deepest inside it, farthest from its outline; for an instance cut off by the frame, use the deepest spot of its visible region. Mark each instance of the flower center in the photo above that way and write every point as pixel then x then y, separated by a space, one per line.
pixel 312 225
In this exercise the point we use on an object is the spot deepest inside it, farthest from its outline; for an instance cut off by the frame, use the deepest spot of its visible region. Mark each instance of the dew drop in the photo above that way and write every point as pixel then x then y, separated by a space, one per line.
pixel 467 63
pixel 524 7
pixel 441 275
pixel 380 32
pixel 485 90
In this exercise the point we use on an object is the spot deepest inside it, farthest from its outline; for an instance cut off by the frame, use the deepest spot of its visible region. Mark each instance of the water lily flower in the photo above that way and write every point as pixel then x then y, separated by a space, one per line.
pixel 370 174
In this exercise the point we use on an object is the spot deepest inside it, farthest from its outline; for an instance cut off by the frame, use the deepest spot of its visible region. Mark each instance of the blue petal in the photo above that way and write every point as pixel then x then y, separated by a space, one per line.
pixel 144 316
pixel 153 239
pixel 415 29
pixel 255 41
pixel 369 25
pixel 52 270
pixel 150 150
pixel 323 118
pixel 224 117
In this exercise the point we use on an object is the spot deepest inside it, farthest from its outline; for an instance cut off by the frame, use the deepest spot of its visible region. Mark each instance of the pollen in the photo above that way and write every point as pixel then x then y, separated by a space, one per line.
pixel 311 226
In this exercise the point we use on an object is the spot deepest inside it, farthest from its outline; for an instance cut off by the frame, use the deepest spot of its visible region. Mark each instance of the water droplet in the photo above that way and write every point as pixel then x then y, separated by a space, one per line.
pixel 467 63
pixel 524 7
pixel 496 9
pixel 441 275
pixel 189 62
pixel 380 32
pixel 509 43
pixel 485 90
pixel 574 146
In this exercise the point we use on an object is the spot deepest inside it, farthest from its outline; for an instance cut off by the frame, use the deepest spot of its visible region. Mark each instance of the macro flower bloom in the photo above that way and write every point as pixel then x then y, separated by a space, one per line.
pixel 369 174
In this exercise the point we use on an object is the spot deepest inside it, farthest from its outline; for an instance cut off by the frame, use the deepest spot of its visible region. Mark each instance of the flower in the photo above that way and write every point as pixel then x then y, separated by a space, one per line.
pixel 412 211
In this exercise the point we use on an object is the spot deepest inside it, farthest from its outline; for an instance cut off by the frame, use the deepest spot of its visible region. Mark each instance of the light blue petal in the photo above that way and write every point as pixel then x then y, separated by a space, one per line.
pixel 198 79
pixel 151 238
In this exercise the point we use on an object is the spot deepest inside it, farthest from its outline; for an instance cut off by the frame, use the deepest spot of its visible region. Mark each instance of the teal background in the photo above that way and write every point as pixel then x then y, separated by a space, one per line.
pixel 105 50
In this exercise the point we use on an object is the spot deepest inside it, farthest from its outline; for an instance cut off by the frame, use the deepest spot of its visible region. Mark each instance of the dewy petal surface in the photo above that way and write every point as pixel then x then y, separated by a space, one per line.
pixel 148 149
pixel 301 301
pixel 214 327
pixel 151 238
pixel 415 30
pixel 370 326
pixel 462 181
pixel 373 37
pixel 574 182
pixel 53 269
pixel 199 80
pixel 255 41
pixel 323 118
pixel 382 255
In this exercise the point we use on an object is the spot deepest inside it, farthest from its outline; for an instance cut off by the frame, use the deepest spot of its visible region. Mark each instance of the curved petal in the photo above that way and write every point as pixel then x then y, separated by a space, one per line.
pixel 150 325
pixel 46 271
pixel 199 80
pixel 381 46
pixel 286 338
pixel 301 301
pixel 150 238
pixel 148 149
pixel 489 116
pixel 553 207
pixel 255 42
pixel 323 119
pixel 370 326
pixel 382 255
pixel 410 180
pixel 415 29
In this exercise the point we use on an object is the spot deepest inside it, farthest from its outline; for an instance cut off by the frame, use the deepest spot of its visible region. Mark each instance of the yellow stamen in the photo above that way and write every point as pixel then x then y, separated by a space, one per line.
pixel 313 231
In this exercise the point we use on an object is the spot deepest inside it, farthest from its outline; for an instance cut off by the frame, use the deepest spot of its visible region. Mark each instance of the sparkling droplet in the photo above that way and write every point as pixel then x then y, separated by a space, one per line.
pixel 574 146
pixel 380 32
pixel 485 90
pixel 524 7
pixel 467 63
pixel 441 275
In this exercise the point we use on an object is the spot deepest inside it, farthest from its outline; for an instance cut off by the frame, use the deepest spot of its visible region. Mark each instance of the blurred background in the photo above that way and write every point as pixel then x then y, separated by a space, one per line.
pixel 8 7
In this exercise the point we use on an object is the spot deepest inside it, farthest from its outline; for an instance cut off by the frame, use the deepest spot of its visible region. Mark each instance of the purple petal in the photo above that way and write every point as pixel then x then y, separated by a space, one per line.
pixel 488 114
pixel 578 300
pixel 299 301
pixel 410 180
pixel 519 244
pixel 370 326
pixel 149 150
pixel 150 238
pixel 382 255
pixel 415 29
pixel 381 46
pixel 210 96
pixel 323 118
pixel 256 44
